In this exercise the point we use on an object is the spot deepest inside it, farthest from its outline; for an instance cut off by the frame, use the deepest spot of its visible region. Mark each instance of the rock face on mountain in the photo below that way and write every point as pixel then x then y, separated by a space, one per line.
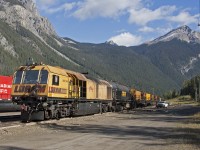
pixel 111 43
pixel 24 13
pixel 183 33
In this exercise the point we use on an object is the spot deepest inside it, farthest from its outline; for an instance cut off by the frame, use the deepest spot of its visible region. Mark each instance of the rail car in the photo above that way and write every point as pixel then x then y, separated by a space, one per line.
pixel 46 92
pixel 5 95
pixel 148 99
pixel 141 98
pixel 154 99
pixel 5 88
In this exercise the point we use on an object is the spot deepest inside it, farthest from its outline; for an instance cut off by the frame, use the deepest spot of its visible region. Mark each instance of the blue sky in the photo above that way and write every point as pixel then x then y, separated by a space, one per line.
pixel 126 22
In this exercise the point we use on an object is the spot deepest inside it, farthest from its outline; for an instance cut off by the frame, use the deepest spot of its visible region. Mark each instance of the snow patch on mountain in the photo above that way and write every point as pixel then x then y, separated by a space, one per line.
pixel 185 69
pixel 69 41
pixel 111 42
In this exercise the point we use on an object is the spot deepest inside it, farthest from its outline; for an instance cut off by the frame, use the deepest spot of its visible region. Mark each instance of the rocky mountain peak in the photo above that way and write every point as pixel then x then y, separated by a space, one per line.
pixel 183 33
pixel 111 42
pixel 24 13
pixel 183 29
pixel 29 5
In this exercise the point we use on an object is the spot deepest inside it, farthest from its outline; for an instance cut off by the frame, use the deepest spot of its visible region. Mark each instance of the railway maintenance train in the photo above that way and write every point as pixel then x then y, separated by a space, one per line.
pixel 46 92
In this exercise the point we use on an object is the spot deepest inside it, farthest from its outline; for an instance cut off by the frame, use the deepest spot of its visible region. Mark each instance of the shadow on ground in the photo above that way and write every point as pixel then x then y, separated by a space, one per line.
pixel 12 148
pixel 174 135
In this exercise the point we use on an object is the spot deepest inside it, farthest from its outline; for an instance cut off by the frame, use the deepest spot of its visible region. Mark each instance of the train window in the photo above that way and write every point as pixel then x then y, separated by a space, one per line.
pixel 55 80
pixel 43 76
pixel 18 76
pixel 31 76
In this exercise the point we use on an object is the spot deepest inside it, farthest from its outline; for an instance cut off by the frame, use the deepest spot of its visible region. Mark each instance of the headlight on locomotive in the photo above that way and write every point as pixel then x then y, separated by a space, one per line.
pixel 15 98
pixel 41 98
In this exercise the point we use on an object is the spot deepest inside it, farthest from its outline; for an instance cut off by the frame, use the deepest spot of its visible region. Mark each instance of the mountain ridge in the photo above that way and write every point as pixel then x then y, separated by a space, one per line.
pixel 183 33
pixel 136 67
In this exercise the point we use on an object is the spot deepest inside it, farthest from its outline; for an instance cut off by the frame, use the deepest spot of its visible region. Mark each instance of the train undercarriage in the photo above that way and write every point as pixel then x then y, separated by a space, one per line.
pixel 33 109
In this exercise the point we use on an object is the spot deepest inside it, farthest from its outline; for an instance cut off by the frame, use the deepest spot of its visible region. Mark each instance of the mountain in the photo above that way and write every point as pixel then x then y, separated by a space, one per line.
pixel 176 53
pixel 111 43
pixel 24 33
pixel 150 67
pixel 183 33
pixel 24 13
pixel 122 64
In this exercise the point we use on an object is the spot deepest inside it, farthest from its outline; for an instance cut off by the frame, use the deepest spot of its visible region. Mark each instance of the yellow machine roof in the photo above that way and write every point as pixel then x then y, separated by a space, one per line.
pixel 65 72
pixel 56 70
pixel 78 75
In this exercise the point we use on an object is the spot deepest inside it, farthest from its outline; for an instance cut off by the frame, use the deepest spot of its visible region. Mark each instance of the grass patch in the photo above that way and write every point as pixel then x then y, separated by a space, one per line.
pixel 182 100
pixel 187 133
pixel 190 132
pixel 196 118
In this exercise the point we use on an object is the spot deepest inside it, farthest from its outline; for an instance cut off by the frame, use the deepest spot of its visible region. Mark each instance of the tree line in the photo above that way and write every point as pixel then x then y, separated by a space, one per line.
pixel 190 87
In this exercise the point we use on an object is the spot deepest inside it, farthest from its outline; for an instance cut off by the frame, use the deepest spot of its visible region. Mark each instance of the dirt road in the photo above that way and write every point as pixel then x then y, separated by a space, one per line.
pixel 136 130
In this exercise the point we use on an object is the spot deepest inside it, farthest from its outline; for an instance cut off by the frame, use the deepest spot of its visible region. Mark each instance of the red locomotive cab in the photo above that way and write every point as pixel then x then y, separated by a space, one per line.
pixel 5 88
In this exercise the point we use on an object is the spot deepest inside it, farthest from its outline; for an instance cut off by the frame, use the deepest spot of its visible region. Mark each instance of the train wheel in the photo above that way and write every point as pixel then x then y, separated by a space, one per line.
pixel 122 108
pixel 57 115
pixel 135 105
pixel 48 114
pixel 105 108
pixel 113 109
pixel 25 116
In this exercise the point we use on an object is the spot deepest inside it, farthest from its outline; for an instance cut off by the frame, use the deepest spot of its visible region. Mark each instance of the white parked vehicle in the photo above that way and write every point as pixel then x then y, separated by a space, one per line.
pixel 162 104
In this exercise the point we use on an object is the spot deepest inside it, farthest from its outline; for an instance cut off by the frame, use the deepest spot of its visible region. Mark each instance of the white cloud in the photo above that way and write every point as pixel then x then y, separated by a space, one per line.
pixel 146 29
pixel 91 8
pixel 126 39
pixel 45 4
pixel 184 18
pixel 65 7
pixel 144 15
pixel 104 8
pixel 138 11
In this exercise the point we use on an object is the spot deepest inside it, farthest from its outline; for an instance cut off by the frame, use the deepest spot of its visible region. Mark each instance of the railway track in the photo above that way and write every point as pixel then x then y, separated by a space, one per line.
pixel 9 119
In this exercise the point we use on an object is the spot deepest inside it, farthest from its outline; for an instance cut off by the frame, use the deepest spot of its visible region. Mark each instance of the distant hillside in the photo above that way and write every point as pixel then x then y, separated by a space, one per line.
pixel 176 54
pixel 16 46
pixel 157 66
pixel 121 64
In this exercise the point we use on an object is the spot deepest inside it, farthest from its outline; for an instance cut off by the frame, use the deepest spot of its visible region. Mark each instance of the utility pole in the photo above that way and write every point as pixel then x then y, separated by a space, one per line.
pixel 199 90
pixel 153 97
pixel 195 89
pixel 196 94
